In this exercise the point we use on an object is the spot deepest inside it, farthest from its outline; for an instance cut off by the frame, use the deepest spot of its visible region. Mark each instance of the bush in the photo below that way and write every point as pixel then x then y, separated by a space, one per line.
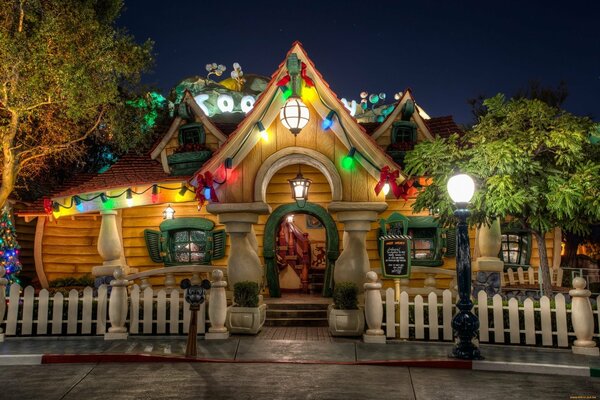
pixel 85 280
pixel 245 294
pixel 345 296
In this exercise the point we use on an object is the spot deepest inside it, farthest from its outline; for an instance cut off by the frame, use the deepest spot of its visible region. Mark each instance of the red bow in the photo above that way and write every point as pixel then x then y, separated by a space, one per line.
pixel 407 189
pixel 387 176
pixel 307 80
pixel 205 182
pixel 48 206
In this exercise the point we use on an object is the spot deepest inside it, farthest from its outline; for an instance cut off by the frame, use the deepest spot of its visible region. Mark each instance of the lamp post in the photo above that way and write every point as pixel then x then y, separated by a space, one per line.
pixel 465 324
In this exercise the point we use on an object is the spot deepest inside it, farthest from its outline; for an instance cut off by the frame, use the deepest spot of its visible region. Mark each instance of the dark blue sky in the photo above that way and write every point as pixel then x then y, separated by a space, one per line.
pixel 446 51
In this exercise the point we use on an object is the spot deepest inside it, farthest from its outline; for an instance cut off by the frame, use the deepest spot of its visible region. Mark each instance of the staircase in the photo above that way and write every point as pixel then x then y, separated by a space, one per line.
pixel 296 314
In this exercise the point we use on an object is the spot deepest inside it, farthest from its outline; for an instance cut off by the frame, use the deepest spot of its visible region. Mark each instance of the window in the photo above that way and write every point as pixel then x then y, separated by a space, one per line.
pixel 192 134
pixel 426 245
pixel 188 246
pixel 185 241
pixel 516 247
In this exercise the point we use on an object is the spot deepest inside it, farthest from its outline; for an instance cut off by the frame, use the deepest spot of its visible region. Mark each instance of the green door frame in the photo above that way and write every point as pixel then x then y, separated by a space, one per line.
pixel 269 241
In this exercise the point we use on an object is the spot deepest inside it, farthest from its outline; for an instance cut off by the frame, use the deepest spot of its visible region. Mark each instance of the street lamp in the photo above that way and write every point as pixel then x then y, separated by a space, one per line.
pixel 465 324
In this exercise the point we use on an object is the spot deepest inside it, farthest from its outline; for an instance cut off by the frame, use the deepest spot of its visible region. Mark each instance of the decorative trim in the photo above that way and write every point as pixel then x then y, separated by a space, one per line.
pixel 340 206
pixel 291 156
pixel 37 252
pixel 177 122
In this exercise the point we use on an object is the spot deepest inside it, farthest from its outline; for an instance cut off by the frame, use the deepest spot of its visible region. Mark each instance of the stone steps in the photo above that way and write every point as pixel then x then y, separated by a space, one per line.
pixel 296 314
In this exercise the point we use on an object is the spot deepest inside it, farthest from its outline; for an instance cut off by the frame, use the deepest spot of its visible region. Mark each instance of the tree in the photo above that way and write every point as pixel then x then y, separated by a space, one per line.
pixel 65 71
pixel 533 163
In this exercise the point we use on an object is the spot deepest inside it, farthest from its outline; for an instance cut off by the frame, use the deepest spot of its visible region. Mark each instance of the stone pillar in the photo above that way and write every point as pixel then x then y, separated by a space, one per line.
pixel 488 267
pixel 353 262
pixel 583 319
pixel 373 310
pixel 109 247
pixel 217 308
pixel 3 283
pixel 117 307
pixel 243 263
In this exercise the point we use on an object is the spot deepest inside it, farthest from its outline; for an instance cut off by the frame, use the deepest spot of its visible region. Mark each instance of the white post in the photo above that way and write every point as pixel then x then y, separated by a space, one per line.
pixel 117 307
pixel 217 308
pixel 583 319
pixel 373 310
pixel 109 245
pixel 3 283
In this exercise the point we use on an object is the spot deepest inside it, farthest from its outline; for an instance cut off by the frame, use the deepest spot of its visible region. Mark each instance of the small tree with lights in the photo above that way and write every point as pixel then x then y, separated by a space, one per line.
pixel 9 248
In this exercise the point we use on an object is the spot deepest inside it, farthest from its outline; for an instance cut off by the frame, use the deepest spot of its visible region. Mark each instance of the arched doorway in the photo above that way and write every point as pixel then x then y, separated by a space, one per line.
pixel 269 244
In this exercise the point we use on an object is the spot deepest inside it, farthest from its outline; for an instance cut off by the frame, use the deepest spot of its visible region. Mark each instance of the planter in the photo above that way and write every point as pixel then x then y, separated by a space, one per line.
pixel 248 320
pixel 346 322
pixel 187 163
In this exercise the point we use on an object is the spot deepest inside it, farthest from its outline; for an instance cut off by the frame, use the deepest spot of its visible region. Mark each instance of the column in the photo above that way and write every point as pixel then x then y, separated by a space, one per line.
pixel 488 267
pixel 117 307
pixel 582 317
pixel 109 248
pixel 243 263
pixel 353 262
pixel 373 310
pixel 217 308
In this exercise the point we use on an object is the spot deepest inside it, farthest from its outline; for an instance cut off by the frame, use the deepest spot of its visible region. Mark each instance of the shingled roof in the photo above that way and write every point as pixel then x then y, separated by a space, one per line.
pixel 443 126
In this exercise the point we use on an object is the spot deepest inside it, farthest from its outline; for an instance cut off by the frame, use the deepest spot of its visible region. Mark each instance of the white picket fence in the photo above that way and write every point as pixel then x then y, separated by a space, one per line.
pixel 521 328
pixel 87 315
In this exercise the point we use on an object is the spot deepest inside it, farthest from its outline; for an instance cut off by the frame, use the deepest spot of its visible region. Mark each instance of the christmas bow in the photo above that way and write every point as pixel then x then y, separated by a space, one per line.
pixel 48 206
pixel 387 176
pixel 307 80
pixel 407 189
pixel 204 182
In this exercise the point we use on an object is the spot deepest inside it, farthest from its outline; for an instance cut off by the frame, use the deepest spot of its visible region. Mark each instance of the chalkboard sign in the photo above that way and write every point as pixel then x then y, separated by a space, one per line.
pixel 395 256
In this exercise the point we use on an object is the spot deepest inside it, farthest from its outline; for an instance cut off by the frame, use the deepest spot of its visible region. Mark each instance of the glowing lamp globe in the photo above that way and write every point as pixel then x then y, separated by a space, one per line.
pixel 299 186
pixel 294 115
pixel 461 188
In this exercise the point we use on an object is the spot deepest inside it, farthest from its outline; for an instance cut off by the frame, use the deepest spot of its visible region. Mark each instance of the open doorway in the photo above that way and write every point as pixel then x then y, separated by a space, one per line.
pixel 301 249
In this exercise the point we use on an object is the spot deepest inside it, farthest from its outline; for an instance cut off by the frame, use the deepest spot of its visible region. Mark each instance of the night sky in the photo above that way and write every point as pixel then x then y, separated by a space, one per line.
pixel 446 53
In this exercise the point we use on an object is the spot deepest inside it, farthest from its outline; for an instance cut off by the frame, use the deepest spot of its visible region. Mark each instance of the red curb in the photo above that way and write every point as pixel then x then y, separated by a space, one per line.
pixel 130 358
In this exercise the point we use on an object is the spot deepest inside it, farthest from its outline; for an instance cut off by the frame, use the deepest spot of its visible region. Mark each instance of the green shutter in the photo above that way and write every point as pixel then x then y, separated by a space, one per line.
pixel 216 242
pixel 154 245
pixel 450 236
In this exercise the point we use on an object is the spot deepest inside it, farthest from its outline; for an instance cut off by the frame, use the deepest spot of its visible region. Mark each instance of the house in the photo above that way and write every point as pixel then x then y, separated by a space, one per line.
pixel 226 166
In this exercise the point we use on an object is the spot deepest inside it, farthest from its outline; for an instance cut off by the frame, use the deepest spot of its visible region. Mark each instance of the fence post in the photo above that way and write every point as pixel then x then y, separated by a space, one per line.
pixel 583 319
pixel 3 283
pixel 217 307
pixel 373 310
pixel 117 307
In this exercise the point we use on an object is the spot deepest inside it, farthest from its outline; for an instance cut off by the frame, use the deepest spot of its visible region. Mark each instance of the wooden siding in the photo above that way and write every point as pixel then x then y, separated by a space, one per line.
pixel 70 246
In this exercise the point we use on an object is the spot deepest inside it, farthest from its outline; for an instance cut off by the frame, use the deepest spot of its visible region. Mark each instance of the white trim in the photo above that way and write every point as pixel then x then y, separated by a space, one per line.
pixel 292 156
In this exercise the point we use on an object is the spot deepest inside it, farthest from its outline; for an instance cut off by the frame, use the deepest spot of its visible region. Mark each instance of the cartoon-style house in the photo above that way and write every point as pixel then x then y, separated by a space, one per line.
pixel 295 196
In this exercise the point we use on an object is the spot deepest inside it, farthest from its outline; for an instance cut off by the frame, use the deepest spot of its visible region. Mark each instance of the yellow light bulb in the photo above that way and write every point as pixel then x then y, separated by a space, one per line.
pixel 264 135
pixel 386 189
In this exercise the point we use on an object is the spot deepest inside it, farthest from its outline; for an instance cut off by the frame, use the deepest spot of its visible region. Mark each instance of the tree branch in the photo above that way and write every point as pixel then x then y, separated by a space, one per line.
pixel 43 103
pixel 42 151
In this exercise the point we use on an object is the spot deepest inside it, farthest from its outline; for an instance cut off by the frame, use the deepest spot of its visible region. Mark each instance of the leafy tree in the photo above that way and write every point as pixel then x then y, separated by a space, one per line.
pixel 65 70
pixel 534 165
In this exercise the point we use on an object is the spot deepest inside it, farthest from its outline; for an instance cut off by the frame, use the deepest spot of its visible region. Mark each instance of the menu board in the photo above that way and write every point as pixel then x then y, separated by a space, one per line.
pixel 395 256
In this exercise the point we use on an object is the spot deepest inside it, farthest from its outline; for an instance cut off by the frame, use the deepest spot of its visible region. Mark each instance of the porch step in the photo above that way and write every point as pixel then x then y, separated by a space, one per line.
pixel 296 314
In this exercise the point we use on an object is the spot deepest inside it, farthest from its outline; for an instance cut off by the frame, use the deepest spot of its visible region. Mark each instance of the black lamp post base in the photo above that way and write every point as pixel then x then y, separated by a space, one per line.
pixel 466 351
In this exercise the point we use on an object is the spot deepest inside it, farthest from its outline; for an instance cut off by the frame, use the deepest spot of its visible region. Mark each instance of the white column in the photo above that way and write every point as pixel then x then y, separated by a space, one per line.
pixel 373 310
pixel 117 307
pixel 109 245
pixel 353 262
pixel 217 308
pixel 583 319
pixel 243 263
pixel 3 283
pixel 488 267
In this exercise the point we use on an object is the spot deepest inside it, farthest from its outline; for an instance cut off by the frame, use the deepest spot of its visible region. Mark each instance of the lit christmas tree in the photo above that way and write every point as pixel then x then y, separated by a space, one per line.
pixel 9 248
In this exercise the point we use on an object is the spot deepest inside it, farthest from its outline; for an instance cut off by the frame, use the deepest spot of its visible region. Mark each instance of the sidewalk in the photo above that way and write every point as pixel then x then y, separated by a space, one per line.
pixel 249 349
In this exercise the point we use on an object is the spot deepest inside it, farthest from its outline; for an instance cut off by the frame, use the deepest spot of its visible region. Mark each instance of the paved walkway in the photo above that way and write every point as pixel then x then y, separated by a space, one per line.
pixel 267 348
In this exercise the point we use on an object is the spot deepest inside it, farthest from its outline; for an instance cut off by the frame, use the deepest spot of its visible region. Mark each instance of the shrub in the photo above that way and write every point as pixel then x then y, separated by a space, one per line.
pixel 85 280
pixel 245 294
pixel 345 296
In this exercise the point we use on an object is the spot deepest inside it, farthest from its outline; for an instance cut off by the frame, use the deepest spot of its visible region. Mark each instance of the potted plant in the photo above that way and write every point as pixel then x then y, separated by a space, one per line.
pixel 245 315
pixel 345 317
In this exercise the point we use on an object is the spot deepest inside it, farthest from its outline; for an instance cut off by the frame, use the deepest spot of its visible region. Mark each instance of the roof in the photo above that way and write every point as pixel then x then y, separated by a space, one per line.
pixel 130 170
pixel 443 126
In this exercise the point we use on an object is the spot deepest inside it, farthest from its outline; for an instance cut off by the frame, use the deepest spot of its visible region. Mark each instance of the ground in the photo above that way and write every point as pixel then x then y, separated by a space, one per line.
pixel 281 381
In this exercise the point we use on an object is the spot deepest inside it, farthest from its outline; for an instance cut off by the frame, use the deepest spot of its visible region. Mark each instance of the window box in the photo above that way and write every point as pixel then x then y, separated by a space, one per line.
pixel 187 163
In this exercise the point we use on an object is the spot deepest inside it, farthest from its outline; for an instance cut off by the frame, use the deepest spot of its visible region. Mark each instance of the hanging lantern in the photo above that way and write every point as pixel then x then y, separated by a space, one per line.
pixel 169 213
pixel 299 186
pixel 294 115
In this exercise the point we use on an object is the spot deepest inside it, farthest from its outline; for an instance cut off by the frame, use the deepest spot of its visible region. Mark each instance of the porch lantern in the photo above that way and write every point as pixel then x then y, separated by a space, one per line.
pixel 299 186
pixel 294 115
pixel 169 213
pixel 465 324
